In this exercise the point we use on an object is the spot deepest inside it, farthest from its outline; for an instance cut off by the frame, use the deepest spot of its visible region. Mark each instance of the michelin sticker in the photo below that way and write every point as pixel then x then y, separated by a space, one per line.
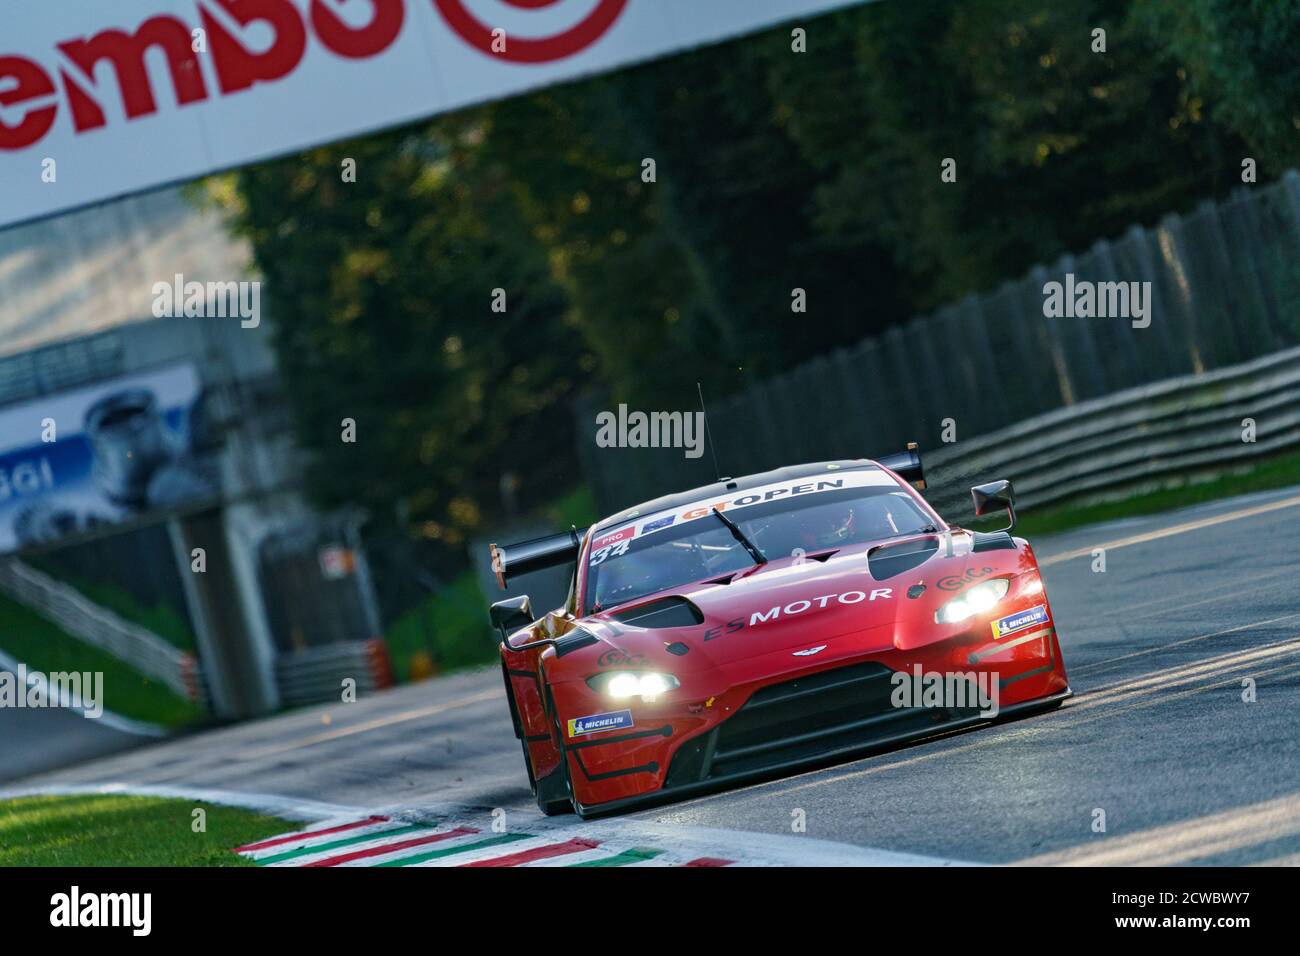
pixel 1019 621
pixel 598 722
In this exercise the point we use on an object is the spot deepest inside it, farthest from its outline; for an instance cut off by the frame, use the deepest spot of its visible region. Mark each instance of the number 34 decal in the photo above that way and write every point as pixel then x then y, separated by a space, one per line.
pixel 609 551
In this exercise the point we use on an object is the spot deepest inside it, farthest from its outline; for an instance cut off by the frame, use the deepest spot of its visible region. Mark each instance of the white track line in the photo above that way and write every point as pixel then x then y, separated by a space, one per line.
pixel 586 856
pixel 378 834
pixel 499 851
pixel 1169 531
pixel 448 844
pixel 289 808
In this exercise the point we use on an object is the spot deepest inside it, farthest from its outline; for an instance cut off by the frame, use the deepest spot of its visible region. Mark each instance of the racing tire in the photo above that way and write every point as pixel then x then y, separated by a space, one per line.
pixel 552 793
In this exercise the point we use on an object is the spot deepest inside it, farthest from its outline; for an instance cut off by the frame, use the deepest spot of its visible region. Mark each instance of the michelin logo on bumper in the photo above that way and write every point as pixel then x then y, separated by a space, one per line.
pixel 1019 621
pixel 598 722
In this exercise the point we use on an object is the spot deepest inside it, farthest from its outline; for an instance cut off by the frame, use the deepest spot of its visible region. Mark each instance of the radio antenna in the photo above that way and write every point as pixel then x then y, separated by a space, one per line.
pixel 708 432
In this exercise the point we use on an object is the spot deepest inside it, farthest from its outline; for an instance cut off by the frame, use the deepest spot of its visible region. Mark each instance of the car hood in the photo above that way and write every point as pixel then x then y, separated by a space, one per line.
pixel 793 605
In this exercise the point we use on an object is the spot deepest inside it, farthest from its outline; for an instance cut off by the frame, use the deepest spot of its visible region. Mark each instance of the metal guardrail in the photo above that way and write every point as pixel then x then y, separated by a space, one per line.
pixel 316 674
pixel 1140 435
pixel 99 627
pixel 1224 290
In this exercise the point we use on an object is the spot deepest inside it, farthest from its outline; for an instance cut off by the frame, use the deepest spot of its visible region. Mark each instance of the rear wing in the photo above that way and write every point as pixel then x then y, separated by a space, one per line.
pixel 907 465
pixel 535 555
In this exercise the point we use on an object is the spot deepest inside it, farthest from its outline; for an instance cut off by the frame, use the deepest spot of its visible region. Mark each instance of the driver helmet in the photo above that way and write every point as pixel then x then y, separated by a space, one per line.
pixel 827 528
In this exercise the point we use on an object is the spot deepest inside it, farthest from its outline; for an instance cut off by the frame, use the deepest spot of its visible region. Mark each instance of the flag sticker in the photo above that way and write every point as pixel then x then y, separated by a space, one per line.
pixel 657 524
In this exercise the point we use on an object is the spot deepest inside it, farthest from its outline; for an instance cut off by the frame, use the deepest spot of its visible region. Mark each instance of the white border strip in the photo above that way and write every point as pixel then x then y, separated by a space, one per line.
pixel 290 808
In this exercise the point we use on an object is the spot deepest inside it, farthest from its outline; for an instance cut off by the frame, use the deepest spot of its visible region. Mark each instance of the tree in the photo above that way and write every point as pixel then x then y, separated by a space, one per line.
pixel 382 291
pixel 773 170
pixel 1055 145
pixel 1240 56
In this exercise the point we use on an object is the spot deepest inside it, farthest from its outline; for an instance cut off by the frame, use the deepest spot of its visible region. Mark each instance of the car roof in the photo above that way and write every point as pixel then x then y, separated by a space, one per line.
pixel 727 485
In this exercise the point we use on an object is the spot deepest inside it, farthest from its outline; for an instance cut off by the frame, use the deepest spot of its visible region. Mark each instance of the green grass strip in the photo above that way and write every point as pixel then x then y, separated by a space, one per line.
pixel 168 623
pixel 117 830
pixel 453 850
pixel 447 628
pixel 44 647
pixel 338 844
pixel 638 854
pixel 1267 474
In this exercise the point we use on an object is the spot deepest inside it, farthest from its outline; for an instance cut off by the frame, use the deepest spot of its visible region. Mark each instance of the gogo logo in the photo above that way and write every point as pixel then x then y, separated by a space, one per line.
pixel 953 582
pixel 567 42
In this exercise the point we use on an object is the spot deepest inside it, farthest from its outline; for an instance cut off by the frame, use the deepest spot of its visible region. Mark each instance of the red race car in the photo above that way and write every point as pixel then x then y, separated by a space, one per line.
pixel 763 623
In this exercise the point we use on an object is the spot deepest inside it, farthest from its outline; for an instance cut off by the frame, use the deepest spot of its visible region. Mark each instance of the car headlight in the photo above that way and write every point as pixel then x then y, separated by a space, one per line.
pixel 973 601
pixel 621 685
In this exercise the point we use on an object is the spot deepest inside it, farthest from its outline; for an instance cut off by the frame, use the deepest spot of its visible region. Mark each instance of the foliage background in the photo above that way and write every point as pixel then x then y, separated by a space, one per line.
pixel 775 171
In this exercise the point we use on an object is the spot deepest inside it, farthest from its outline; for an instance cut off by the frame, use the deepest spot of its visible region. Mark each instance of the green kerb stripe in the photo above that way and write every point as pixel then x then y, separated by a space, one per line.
pixel 453 850
pixel 338 844
pixel 638 854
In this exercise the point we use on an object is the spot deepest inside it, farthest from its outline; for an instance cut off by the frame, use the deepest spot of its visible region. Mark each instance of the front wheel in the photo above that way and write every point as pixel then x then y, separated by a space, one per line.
pixel 552 791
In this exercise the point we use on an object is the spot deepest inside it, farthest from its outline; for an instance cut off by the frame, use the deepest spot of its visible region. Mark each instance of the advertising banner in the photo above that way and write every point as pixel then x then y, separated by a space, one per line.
pixel 103 99
pixel 76 462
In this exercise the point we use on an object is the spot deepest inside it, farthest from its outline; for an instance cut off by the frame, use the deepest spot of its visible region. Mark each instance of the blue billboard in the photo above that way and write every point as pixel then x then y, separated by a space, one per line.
pixel 81 461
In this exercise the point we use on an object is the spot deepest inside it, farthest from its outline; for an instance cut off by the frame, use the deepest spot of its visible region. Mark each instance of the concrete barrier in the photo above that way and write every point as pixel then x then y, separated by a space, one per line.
pixel 316 674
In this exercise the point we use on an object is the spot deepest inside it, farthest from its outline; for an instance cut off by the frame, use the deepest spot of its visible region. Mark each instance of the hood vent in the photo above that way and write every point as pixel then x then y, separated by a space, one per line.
pixel 992 541
pixel 575 640
pixel 665 612
pixel 889 560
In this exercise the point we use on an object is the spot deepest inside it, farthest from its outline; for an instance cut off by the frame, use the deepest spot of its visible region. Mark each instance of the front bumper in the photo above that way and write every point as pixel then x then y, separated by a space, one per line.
pixel 717 782
pixel 773 726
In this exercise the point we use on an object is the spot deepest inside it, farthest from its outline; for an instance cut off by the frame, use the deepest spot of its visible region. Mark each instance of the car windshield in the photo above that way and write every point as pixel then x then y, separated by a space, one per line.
pixel 705 547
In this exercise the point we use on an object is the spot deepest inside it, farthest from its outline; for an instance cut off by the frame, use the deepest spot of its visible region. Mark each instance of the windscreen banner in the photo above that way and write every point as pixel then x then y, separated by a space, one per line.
pixel 78 462
pixel 99 99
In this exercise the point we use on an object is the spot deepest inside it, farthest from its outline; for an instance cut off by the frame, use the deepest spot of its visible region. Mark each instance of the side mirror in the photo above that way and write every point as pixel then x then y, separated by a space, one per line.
pixel 995 496
pixel 511 614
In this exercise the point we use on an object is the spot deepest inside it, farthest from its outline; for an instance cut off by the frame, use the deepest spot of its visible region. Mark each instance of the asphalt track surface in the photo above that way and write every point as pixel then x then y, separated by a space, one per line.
pixel 1158 736
pixel 36 740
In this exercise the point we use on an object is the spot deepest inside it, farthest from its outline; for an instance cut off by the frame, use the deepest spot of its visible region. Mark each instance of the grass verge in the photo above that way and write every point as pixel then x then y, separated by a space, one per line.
pixel 449 630
pixel 1268 474
pixel 164 621
pixel 445 632
pixel 102 830
pixel 43 647
pixel 577 508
